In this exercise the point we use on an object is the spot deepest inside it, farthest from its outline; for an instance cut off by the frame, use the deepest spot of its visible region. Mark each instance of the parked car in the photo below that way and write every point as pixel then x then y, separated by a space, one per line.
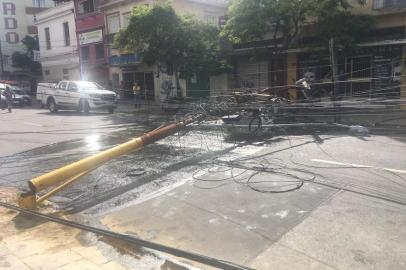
pixel 76 95
pixel 2 98
pixel 21 97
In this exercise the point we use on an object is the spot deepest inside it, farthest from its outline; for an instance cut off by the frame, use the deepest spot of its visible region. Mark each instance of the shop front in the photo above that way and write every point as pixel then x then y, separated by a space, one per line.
pixel 126 70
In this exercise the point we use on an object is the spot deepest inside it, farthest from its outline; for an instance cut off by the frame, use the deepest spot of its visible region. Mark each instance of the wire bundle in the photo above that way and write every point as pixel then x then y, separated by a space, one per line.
pixel 265 175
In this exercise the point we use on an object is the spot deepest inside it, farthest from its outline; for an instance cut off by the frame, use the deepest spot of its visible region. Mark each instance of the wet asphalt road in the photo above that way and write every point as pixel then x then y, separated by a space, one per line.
pixel 68 137
pixel 327 195
pixel 169 161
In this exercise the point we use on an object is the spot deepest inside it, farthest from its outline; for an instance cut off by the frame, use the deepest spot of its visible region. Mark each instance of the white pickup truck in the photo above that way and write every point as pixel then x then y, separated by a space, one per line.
pixel 76 95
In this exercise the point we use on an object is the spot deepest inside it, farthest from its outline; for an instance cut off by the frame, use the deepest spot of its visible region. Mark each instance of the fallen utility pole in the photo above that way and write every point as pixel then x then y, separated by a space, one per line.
pixel 69 174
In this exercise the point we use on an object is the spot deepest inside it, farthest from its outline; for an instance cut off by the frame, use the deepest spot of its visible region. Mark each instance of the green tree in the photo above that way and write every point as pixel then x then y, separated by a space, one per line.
pixel 25 60
pixel 285 20
pixel 336 20
pixel 159 35
pixel 31 43
pixel 251 20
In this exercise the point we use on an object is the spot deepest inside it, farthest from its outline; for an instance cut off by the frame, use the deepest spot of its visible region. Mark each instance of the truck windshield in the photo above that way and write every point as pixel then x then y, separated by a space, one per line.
pixel 88 85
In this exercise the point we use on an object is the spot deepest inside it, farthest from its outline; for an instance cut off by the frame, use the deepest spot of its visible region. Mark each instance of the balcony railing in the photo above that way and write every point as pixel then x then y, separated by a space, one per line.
pixel 389 4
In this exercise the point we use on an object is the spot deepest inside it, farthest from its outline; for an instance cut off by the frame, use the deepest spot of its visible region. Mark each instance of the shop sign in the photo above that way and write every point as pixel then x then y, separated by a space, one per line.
pixel 91 37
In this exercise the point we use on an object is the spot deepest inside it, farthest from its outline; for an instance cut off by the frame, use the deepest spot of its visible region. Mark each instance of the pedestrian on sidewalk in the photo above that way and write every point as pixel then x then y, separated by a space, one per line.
pixel 8 94
pixel 137 94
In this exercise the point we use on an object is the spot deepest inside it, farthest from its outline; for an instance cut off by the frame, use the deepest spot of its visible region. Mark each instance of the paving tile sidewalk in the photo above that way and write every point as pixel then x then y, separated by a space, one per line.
pixel 30 243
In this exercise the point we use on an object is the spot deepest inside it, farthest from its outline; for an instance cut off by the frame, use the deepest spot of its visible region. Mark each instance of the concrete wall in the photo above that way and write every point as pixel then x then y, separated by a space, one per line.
pixel 57 73
pixel 61 61
pixel 219 84
pixel 200 10
pixel 53 19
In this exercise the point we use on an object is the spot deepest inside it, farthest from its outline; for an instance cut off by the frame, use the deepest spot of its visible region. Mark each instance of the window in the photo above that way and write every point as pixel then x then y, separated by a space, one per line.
pixel 359 67
pixel 65 71
pixel 6 60
pixel 113 23
pixel 38 3
pixel 62 85
pixel 378 4
pixel 66 33
pixel 222 21
pixel 86 6
pixel 126 19
pixel 99 48
pixel 47 38
pixel 84 53
pixel 72 87
pixel 211 19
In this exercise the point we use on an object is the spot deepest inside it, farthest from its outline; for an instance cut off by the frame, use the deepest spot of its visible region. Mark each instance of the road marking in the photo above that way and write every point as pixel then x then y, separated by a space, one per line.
pixel 33 124
pixel 358 165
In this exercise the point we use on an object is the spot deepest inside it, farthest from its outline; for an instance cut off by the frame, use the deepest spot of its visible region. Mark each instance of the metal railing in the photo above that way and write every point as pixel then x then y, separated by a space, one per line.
pixel 388 4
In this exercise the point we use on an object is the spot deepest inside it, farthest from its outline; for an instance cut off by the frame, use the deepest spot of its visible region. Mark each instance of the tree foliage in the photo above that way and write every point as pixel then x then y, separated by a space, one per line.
pixel 285 20
pixel 159 35
pixel 338 22
pixel 31 43
pixel 24 60
pixel 255 19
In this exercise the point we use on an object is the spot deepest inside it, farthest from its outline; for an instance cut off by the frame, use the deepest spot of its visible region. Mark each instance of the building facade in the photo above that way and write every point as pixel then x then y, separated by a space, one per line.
pixel 125 68
pixel 17 20
pixel 375 69
pixel 90 33
pixel 58 43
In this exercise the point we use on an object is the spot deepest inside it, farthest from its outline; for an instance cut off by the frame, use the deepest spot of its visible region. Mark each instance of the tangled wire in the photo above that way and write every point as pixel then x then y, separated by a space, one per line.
pixel 265 175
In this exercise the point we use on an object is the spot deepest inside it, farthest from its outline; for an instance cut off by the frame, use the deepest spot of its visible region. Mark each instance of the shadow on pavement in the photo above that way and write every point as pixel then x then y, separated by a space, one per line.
pixel 24 221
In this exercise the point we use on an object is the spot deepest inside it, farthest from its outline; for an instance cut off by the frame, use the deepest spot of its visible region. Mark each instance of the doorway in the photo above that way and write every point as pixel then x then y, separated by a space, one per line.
pixel 144 79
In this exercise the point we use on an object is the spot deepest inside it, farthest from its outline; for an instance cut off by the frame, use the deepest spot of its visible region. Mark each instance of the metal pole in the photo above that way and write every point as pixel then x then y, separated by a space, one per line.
pixel 334 75
pixel 333 67
pixel 70 173
pixel 1 62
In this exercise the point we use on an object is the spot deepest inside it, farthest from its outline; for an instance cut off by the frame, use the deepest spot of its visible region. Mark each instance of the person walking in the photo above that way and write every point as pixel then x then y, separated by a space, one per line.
pixel 8 94
pixel 136 93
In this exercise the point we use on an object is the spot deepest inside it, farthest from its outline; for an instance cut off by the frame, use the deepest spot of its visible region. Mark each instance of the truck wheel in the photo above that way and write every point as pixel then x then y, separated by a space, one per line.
pixel 53 108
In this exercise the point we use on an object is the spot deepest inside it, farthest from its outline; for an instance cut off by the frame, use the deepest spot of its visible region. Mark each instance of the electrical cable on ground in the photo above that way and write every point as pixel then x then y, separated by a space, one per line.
pixel 221 264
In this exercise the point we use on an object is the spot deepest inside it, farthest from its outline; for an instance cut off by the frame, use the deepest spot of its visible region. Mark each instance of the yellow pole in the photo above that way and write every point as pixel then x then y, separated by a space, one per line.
pixel 59 188
pixel 85 165
pixel 62 174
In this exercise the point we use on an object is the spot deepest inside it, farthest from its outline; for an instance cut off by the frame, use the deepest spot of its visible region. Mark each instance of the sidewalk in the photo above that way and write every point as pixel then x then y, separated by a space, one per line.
pixel 28 243
pixel 127 106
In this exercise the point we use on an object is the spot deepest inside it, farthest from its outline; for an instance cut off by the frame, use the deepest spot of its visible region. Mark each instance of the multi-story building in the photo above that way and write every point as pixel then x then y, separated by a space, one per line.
pixel 58 43
pixel 90 32
pixel 16 21
pixel 125 67
pixel 375 69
